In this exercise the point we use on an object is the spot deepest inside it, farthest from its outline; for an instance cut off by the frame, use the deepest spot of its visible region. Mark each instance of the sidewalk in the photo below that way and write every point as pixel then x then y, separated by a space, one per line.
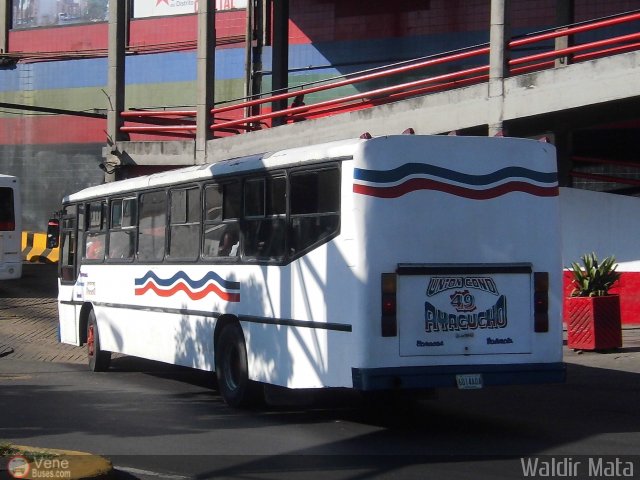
pixel 29 331
pixel 29 318
pixel 625 359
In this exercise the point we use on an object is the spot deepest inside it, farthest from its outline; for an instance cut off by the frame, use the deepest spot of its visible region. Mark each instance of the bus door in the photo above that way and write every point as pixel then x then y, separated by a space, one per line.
pixel 69 305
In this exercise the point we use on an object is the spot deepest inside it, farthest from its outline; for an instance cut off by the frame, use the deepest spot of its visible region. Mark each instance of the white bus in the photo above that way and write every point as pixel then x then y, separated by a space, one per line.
pixel 10 228
pixel 399 262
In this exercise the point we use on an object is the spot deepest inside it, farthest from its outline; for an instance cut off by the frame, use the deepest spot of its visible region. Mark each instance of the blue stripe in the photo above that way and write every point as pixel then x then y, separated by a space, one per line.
pixel 161 68
pixel 342 53
pixel 141 69
pixel 181 67
pixel 9 78
pixel 192 283
pixel 70 74
pixel 397 174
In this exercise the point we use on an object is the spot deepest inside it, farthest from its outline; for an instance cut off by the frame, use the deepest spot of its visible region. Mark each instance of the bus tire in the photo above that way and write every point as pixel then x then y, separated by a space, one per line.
pixel 232 368
pixel 98 359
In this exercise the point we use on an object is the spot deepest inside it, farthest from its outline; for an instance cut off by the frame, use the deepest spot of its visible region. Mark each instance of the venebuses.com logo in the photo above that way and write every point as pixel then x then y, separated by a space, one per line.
pixel 19 466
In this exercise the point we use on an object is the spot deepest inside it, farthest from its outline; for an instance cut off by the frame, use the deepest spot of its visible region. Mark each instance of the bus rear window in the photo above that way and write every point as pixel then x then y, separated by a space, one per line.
pixel 7 213
pixel 315 208
pixel 315 192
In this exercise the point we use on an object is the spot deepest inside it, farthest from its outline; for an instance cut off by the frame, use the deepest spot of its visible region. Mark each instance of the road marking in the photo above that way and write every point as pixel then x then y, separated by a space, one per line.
pixel 137 471
pixel 14 377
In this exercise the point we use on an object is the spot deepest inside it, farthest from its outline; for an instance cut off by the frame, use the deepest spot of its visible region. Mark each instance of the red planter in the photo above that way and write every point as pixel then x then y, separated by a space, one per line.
pixel 594 323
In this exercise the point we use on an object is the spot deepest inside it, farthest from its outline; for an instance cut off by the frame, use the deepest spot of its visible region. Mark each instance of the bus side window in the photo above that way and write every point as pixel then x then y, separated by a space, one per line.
pixel 152 226
pixel 95 238
pixel 184 227
pixel 264 223
pixel 122 231
pixel 221 237
pixel 315 208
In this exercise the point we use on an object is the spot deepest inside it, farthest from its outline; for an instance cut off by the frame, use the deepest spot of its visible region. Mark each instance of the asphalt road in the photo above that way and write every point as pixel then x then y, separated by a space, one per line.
pixel 159 421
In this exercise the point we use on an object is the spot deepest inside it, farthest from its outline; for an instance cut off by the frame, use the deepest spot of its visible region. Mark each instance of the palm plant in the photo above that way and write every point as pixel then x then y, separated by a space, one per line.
pixel 594 278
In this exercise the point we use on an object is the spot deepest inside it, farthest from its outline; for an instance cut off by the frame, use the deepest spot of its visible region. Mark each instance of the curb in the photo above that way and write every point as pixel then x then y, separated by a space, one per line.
pixel 68 464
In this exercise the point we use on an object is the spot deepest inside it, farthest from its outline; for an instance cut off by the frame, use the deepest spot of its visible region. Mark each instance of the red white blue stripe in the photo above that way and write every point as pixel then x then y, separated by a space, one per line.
pixel 211 283
pixel 411 177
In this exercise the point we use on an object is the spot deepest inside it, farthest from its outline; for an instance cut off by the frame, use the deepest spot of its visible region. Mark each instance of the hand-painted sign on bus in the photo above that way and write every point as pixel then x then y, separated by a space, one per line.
pixel 464 314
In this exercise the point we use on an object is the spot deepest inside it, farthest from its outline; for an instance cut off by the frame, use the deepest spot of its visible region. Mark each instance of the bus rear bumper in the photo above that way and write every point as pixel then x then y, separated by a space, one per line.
pixel 401 378
pixel 11 270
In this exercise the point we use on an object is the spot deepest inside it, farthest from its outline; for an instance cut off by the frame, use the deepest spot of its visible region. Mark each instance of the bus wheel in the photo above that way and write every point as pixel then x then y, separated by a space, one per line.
pixel 98 359
pixel 231 367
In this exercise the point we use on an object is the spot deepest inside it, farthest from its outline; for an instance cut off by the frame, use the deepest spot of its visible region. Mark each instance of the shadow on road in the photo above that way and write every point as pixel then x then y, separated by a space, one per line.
pixel 593 413
pixel 593 401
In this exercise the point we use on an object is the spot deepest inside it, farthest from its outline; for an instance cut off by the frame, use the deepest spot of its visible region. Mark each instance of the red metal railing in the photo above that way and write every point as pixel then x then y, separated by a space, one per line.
pixel 183 122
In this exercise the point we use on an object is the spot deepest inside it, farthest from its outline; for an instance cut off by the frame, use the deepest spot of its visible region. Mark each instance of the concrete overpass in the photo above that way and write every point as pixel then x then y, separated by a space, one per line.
pixel 535 103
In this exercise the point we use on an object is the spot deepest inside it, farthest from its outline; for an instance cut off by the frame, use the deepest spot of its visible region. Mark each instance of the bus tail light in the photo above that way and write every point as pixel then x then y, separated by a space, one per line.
pixel 389 322
pixel 541 301
pixel 53 233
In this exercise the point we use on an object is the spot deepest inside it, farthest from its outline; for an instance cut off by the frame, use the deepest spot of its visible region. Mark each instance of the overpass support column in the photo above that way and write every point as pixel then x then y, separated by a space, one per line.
pixel 498 66
pixel 258 35
pixel 205 78
pixel 280 54
pixel 565 15
pixel 4 26
pixel 118 18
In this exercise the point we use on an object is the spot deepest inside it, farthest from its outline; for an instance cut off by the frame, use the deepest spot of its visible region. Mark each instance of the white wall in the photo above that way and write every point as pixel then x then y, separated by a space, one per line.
pixel 603 223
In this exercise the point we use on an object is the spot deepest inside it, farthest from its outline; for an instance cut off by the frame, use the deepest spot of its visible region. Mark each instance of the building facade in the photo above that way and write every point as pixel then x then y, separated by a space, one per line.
pixel 54 67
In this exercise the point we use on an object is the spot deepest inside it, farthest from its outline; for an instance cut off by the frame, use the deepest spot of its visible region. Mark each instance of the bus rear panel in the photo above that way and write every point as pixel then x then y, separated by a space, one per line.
pixel 10 228
pixel 461 251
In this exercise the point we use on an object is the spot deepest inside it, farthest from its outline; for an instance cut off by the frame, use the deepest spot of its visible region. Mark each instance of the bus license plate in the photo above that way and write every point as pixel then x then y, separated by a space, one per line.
pixel 469 381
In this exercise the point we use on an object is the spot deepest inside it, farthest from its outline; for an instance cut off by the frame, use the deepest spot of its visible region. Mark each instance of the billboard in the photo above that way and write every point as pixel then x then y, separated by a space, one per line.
pixel 157 8
pixel 46 13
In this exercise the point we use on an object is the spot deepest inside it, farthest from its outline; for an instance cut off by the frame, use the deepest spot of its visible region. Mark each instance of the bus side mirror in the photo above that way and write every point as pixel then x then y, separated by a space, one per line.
pixel 53 233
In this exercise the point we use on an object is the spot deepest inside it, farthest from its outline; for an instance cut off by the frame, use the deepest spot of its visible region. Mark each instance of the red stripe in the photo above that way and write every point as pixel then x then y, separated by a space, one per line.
pixel 181 287
pixel 415 184
pixel 184 28
pixel 38 130
pixel 144 32
pixel 60 39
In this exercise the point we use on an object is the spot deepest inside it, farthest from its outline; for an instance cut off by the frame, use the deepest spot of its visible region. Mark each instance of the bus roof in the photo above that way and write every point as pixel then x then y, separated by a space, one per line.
pixel 338 150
